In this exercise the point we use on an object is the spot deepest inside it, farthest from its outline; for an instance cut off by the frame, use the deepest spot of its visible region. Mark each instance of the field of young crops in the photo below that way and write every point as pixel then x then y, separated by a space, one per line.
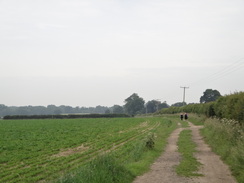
pixel 43 150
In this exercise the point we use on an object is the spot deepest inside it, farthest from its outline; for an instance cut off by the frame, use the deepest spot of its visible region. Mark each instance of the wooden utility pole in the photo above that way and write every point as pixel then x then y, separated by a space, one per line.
pixel 184 92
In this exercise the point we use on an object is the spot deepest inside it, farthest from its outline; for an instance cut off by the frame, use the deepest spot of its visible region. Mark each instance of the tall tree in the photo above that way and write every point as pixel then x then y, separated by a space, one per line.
pixel 209 95
pixel 134 104
pixel 163 105
pixel 152 106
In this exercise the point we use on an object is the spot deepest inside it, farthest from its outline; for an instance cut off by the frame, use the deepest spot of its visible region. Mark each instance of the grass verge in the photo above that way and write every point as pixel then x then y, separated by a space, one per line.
pixel 142 164
pixel 197 119
pixel 189 164
pixel 103 169
pixel 226 138
pixel 113 168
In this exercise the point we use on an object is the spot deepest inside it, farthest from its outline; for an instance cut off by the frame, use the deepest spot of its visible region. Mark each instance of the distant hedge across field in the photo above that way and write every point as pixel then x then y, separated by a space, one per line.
pixel 68 116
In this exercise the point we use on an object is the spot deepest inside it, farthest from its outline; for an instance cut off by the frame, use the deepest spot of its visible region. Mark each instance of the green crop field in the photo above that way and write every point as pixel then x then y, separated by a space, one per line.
pixel 44 150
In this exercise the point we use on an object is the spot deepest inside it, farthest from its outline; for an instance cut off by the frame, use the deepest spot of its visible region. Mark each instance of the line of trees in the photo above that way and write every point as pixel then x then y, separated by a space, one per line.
pixel 50 110
pixel 134 105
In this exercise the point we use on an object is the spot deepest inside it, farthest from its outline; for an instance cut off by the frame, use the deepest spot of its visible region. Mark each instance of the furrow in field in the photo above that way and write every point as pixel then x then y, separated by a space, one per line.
pixel 82 160
pixel 121 142
pixel 74 157
pixel 79 161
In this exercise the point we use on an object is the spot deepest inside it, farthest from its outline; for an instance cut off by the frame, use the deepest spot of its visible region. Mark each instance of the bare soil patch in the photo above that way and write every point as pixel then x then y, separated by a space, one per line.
pixel 71 151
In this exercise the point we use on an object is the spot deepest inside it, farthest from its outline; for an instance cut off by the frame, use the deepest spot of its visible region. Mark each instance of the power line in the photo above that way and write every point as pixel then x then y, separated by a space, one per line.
pixel 229 69
pixel 221 73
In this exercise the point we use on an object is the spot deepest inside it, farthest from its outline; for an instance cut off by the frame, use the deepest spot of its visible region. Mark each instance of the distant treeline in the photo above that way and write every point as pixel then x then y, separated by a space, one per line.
pixel 68 116
pixel 230 107
pixel 49 110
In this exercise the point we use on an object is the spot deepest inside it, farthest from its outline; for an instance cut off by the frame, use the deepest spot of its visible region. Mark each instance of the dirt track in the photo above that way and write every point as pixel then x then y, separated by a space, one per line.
pixel 162 171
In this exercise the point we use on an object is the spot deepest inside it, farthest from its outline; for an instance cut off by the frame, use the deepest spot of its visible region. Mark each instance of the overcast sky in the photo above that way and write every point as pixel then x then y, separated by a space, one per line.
pixel 99 52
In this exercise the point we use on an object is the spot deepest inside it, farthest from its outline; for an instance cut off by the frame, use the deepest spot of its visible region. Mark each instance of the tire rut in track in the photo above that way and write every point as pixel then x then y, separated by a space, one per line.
pixel 213 169
pixel 162 171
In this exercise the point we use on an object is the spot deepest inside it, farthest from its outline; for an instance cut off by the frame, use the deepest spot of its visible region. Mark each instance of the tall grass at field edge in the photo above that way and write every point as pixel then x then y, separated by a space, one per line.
pixel 103 169
pixel 148 156
pixel 226 138
pixel 110 168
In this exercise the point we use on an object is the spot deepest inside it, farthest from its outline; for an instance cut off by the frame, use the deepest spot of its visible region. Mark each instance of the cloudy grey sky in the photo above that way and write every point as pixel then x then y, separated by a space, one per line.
pixel 92 52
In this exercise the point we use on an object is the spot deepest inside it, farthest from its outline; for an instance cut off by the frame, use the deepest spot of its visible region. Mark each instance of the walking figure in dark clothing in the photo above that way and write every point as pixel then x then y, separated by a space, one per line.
pixel 181 116
pixel 186 116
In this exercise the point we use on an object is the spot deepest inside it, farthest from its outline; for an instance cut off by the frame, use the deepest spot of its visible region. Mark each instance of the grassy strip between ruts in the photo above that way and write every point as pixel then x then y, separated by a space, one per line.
pixel 189 164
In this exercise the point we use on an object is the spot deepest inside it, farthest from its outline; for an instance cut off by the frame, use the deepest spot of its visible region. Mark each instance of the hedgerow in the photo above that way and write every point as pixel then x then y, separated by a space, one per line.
pixel 69 116
pixel 229 107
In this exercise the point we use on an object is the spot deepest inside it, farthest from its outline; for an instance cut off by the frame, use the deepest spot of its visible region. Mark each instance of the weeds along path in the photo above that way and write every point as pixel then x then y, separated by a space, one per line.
pixel 163 170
